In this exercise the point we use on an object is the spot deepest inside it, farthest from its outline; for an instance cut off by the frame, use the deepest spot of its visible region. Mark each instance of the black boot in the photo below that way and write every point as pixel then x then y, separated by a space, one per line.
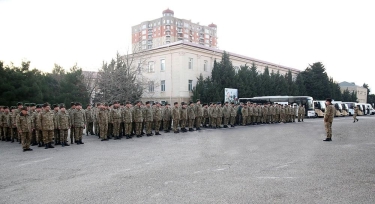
pixel 12 141
pixel 63 144
pixel 327 139
pixel 71 141
pixel 46 146
pixel 50 145
pixel 77 142
pixel 80 141
pixel 157 133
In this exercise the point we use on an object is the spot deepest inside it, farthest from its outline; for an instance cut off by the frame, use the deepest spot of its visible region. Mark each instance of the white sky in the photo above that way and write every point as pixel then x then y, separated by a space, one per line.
pixel 339 33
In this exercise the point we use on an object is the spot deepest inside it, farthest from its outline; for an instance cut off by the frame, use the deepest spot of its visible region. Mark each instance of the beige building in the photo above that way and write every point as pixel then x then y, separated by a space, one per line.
pixel 169 29
pixel 361 92
pixel 173 69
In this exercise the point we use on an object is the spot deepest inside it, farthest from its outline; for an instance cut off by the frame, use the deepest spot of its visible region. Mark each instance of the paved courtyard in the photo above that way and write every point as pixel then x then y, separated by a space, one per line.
pixel 281 163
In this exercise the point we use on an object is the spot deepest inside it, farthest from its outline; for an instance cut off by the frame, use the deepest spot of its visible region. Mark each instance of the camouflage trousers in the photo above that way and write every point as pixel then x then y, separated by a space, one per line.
pixel 138 128
pixel 219 120
pixel 14 134
pixel 292 118
pixel 128 128
pixel 191 123
pixel 244 120
pixel 277 118
pixel 6 133
pixel 226 121
pixel 72 133
pixel 166 125
pixel 175 125
pixel 232 120
pixel 103 129
pixel 205 121
pixel 39 136
pixel 198 121
pixel 213 122
pixel 56 135
pixel 26 140
pixel 96 127
pixel 122 129
pixel 78 131
pixel 148 127
pixel 116 128
pixel 110 129
pixel 63 135
pixel 157 126
pixel 47 136
pixel 89 128
pixel 355 116
pixel 299 117
pixel 248 119
pixel 328 128
pixel 183 123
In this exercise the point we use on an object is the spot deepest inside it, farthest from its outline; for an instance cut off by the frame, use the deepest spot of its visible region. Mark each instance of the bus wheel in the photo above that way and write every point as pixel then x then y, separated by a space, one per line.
pixel 316 115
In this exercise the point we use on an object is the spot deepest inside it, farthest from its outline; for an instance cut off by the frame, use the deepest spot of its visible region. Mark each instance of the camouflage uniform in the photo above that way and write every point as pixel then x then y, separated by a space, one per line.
pixel 64 124
pixel 328 119
pixel 183 118
pixel 245 114
pixel 219 119
pixel 205 117
pixel 78 121
pixel 56 130
pixel 89 121
pixel 214 115
pixel 115 118
pixel 157 116
pixel 13 127
pixel 102 120
pixel 191 117
pixel 46 123
pixel 72 130
pixel 138 119
pixel 226 114
pixel 233 113
pixel 250 113
pixel 5 121
pixel 198 115
pixel 167 118
pixel 127 118
pixel 25 125
pixel 175 118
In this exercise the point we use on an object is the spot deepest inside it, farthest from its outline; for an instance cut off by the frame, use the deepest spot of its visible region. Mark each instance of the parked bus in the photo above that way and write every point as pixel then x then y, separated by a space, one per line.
pixel 338 108
pixel 307 101
pixel 360 107
pixel 319 108
pixel 345 109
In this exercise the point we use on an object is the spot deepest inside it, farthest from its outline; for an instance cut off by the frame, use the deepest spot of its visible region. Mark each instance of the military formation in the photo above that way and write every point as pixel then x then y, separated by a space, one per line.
pixel 42 125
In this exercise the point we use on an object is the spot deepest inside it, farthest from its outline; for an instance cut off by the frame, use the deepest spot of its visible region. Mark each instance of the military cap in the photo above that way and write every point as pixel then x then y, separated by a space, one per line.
pixel 110 104
pixel 182 103
pixel 19 104
pixel 6 107
pixel 55 105
pixel 147 102
pixel 62 106
pixel 127 102
pixel 78 104
pixel 191 103
pixel 26 104
pixel 45 105
pixel 218 103
pixel 32 104
pixel 231 103
pixel 156 102
pixel 175 103
pixel 24 108
pixel 198 100
pixel 115 102
pixel 39 106
pixel 72 103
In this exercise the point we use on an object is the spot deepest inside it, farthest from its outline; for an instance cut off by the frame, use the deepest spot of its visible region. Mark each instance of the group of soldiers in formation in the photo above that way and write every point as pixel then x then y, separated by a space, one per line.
pixel 39 125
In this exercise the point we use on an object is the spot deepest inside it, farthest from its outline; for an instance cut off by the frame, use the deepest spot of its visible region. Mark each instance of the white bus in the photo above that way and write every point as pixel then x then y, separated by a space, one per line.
pixel 345 109
pixel 361 108
pixel 319 108
pixel 338 108
pixel 307 101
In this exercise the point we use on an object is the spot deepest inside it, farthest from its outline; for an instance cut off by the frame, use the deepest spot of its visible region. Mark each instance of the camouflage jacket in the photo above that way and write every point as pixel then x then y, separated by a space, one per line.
pixel 45 120
pixel 24 123
pixel 5 120
pixel 127 115
pixel 64 122
pixel 79 118
pixel 175 113
pixel 89 115
pixel 138 114
pixel 157 114
pixel 148 114
pixel 167 114
pixel 115 115
pixel 191 112
pixel 102 117
pixel 226 111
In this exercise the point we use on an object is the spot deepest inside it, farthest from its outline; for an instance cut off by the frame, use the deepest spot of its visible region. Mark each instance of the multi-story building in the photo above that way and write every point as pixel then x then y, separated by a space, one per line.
pixel 169 29
pixel 361 91
pixel 173 69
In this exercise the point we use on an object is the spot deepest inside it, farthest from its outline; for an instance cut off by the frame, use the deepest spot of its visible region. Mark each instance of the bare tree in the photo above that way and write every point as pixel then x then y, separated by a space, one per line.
pixel 90 81
pixel 122 79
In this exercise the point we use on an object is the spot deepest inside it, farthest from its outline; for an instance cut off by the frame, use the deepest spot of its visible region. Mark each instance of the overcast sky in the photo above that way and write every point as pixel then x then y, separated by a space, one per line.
pixel 340 34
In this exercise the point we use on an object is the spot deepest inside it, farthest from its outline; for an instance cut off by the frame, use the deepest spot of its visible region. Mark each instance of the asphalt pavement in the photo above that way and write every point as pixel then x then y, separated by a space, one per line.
pixel 277 163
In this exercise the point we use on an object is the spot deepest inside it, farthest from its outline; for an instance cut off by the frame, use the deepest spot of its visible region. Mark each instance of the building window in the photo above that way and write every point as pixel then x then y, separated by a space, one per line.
pixel 190 85
pixel 162 65
pixel 151 86
pixel 151 67
pixel 205 66
pixel 162 85
pixel 190 63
